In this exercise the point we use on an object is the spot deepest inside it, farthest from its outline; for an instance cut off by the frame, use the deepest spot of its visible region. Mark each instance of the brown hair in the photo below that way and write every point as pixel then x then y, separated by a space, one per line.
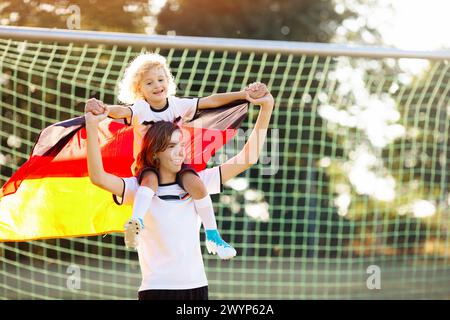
pixel 156 139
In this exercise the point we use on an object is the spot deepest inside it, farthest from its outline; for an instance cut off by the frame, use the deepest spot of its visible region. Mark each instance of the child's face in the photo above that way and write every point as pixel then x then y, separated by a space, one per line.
pixel 154 86
pixel 173 157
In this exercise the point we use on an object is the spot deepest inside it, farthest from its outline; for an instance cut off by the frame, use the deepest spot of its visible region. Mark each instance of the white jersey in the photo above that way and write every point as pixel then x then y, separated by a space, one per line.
pixel 169 249
pixel 186 108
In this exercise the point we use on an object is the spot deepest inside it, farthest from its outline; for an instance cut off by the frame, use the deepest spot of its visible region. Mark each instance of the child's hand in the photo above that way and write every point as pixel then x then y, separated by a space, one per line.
pixel 256 90
pixel 95 106
pixel 90 117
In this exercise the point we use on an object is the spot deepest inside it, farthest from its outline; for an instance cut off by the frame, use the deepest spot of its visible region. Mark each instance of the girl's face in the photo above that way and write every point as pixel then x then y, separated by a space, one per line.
pixel 172 158
pixel 154 86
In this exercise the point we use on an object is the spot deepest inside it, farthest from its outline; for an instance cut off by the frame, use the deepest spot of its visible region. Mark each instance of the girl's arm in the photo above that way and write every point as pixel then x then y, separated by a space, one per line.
pixel 249 155
pixel 97 174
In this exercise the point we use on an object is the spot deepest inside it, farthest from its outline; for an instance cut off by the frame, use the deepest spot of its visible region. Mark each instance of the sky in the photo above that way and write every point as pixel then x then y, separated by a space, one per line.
pixel 419 25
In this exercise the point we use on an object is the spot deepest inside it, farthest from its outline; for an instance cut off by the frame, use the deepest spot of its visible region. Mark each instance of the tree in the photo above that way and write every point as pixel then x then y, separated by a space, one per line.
pixel 301 20
pixel 119 16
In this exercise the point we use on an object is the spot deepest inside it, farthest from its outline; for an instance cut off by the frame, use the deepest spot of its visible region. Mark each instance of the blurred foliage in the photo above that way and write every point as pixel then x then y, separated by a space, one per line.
pixel 301 20
pixel 96 15
pixel 417 160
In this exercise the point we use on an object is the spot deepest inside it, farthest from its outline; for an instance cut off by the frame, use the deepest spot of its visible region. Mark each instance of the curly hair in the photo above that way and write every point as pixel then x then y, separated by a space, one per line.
pixel 128 87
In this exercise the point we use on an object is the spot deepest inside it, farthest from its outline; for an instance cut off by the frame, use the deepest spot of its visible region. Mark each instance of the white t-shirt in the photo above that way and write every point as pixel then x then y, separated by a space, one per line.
pixel 185 108
pixel 169 250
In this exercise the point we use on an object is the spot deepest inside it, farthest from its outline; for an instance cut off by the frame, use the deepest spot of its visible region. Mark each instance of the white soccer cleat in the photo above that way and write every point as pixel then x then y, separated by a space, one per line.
pixel 133 228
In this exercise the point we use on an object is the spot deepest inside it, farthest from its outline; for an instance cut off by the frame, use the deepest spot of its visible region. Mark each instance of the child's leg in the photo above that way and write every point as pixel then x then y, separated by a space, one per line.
pixel 148 185
pixel 203 205
pixel 144 194
pixel 202 201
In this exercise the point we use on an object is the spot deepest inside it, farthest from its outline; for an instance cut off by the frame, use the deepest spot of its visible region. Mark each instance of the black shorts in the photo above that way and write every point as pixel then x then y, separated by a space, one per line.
pixel 188 294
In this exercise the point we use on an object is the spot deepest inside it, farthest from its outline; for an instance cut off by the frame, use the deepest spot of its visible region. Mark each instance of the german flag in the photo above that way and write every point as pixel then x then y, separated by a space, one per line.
pixel 51 196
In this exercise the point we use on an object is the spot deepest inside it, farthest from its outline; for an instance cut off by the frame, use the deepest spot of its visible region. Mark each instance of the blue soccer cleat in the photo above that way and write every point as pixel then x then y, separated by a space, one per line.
pixel 216 245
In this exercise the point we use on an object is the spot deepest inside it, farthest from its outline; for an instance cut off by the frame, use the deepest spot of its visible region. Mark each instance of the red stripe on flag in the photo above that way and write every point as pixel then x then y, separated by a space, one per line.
pixel 61 148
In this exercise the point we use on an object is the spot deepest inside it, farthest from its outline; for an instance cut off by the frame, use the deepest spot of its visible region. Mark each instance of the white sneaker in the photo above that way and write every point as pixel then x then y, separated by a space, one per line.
pixel 133 228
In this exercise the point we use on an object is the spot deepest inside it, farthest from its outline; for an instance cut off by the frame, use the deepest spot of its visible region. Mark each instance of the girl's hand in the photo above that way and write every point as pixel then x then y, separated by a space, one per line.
pixel 95 106
pixel 257 90
pixel 266 100
pixel 94 120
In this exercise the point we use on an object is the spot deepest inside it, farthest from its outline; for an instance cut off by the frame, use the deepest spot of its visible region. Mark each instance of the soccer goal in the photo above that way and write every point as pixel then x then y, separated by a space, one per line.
pixel 350 201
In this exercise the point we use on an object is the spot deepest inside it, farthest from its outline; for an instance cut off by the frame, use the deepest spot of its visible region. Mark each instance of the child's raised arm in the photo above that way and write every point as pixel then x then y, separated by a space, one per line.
pixel 253 91
pixel 97 174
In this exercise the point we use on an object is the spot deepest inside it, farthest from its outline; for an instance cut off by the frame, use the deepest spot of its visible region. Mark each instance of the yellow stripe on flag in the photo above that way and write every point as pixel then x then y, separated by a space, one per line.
pixel 59 207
